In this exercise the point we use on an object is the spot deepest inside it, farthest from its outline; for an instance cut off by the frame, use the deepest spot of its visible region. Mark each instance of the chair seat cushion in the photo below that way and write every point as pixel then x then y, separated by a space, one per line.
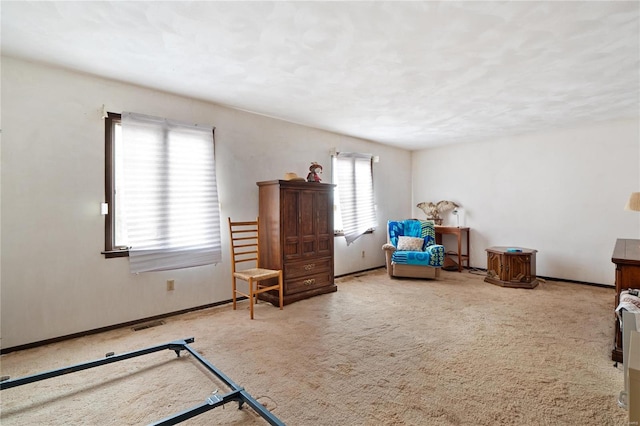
pixel 432 256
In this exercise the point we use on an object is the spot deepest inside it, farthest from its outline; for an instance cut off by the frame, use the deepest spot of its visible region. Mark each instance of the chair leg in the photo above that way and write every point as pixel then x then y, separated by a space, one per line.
pixel 251 297
pixel 280 288
pixel 233 296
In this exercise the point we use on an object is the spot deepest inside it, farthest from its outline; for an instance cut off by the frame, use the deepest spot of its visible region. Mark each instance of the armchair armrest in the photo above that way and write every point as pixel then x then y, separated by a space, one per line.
pixel 437 254
pixel 388 252
pixel 389 247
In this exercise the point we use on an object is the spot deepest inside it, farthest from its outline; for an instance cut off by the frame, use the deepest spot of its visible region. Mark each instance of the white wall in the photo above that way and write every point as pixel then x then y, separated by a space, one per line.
pixel 54 280
pixel 562 193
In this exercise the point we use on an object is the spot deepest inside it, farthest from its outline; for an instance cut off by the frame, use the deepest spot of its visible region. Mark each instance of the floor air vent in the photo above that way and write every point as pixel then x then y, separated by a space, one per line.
pixel 147 325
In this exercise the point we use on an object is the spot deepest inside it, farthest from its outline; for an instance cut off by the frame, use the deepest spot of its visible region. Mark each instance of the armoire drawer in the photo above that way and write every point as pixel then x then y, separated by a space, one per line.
pixel 308 282
pixel 308 267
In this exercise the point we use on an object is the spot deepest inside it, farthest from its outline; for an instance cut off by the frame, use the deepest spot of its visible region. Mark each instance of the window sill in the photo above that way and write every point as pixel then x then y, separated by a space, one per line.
pixel 341 233
pixel 109 254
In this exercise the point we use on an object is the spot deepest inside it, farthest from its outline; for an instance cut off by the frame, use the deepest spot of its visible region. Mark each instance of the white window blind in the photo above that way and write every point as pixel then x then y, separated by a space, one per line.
pixel 169 202
pixel 354 180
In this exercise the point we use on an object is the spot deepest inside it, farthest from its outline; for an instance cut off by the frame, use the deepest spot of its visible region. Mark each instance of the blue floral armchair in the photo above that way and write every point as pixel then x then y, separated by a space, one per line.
pixel 411 250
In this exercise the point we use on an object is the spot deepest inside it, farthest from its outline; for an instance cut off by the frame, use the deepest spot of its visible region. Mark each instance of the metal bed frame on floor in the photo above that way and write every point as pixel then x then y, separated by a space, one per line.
pixel 237 393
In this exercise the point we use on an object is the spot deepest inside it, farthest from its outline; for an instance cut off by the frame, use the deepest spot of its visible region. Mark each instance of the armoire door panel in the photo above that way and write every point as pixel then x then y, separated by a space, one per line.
pixel 291 214
pixel 325 245
pixel 309 248
pixel 307 214
pixel 291 249
pixel 324 202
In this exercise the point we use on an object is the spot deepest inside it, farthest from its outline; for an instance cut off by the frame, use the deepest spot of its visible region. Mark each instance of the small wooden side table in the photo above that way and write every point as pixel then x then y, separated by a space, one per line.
pixel 511 267
pixel 458 232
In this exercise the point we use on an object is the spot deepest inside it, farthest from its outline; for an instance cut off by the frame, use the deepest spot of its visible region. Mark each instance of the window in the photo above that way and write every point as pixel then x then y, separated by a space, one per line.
pixel 355 212
pixel 162 194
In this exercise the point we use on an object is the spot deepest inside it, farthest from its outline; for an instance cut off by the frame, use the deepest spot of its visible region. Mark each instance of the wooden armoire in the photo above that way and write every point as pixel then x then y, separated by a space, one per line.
pixel 296 235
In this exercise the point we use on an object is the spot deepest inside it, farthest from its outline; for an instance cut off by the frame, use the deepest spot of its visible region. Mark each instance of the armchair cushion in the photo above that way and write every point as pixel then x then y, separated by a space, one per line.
pixel 410 243
pixel 433 256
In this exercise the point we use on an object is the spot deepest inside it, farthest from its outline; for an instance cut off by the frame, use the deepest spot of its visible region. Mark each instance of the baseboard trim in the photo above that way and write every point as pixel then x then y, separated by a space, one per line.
pixel 362 271
pixel 556 279
pixel 471 269
pixel 113 327
pixel 578 282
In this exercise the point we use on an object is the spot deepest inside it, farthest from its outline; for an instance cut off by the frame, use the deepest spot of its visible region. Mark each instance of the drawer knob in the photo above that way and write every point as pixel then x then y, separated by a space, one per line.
pixel 310 281
pixel 309 266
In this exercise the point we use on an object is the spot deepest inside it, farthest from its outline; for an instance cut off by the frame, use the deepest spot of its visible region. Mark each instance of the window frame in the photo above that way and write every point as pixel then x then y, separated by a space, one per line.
pixel 110 251
pixel 336 199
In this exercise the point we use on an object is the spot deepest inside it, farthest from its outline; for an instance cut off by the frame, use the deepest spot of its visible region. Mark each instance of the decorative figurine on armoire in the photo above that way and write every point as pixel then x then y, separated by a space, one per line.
pixel 313 172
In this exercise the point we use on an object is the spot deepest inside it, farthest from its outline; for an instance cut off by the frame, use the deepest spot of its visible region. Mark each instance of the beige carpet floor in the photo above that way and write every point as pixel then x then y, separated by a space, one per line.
pixel 456 351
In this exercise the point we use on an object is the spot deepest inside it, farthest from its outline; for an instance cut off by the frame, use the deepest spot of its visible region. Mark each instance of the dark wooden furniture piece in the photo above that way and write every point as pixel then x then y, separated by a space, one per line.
pixel 296 236
pixel 511 268
pixel 458 232
pixel 626 256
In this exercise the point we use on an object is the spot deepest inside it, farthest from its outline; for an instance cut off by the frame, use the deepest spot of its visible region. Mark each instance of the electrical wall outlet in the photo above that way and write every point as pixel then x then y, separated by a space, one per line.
pixel 170 285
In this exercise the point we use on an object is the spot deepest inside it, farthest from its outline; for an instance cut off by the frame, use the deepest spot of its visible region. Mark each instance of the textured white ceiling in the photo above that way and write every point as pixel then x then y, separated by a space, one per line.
pixel 410 74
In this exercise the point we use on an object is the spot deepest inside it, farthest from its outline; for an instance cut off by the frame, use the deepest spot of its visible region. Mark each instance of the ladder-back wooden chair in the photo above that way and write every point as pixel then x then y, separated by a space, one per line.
pixel 245 251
